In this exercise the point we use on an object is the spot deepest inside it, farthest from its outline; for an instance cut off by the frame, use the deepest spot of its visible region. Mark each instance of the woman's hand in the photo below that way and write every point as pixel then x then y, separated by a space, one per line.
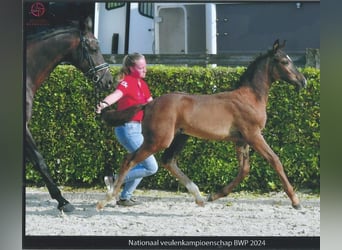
pixel 101 106
pixel 109 100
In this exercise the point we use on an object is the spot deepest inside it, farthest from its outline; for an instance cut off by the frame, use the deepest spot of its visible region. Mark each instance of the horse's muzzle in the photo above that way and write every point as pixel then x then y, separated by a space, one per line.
pixel 303 83
pixel 300 83
pixel 106 82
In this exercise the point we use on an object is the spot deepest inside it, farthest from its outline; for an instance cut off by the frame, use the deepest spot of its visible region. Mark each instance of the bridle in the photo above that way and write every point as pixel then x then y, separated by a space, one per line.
pixel 92 73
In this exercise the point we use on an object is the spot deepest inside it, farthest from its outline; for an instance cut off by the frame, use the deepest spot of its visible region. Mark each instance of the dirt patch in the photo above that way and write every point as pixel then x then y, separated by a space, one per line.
pixel 172 214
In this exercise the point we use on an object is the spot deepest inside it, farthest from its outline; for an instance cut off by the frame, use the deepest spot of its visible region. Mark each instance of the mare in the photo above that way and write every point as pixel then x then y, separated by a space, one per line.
pixel 238 116
pixel 44 51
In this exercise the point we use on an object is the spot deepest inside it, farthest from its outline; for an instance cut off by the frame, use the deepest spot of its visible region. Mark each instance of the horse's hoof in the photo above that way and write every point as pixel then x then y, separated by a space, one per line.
pixel 298 206
pixel 99 206
pixel 66 208
pixel 200 203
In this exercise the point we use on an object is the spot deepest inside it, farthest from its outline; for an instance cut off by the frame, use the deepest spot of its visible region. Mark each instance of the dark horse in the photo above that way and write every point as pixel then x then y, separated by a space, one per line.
pixel 44 51
pixel 238 116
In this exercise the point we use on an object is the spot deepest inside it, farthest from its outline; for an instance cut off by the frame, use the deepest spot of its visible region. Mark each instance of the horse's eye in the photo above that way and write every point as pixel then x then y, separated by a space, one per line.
pixel 93 45
pixel 284 62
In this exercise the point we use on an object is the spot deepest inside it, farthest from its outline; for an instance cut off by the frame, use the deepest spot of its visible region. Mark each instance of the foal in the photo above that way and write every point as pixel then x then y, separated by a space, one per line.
pixel 238 116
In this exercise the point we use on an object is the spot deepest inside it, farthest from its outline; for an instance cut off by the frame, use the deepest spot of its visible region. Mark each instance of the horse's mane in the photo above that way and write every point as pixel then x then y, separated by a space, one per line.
pixel 46 34
pixel 252 66
pixel 246 77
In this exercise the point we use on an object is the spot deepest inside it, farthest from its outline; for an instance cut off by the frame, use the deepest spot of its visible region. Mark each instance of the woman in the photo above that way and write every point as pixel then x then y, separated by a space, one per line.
pixel 131 90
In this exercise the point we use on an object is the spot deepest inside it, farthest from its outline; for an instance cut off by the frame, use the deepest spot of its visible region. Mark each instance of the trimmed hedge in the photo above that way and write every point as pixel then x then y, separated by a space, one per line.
pixel 76 144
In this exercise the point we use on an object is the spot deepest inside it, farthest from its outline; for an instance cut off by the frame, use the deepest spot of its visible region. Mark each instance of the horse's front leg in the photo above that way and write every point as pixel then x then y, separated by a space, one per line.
pixel 242 150
pixel 39 163
pixel 260 145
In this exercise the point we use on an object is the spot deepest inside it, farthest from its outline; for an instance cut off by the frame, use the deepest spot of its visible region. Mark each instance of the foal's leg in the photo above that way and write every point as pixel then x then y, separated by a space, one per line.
pixel 242 151
pixel 129 162
pixel 170 163
pixel 39 163
pixel 260 145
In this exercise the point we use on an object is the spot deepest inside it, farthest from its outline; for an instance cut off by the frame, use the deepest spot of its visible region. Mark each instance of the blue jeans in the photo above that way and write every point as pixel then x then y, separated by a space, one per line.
pixel 129 135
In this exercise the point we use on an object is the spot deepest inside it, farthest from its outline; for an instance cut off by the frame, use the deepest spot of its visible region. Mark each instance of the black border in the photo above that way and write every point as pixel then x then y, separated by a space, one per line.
pixel 108 242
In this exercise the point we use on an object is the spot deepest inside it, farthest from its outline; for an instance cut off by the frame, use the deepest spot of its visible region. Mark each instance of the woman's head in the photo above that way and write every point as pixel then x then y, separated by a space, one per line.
pixel 134 65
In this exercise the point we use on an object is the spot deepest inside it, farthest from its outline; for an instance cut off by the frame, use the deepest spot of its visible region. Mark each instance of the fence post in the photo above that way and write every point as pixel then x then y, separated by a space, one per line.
pixel 312 58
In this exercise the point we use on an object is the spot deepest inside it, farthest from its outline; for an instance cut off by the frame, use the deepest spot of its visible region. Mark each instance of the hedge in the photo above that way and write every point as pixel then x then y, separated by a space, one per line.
pixel 77 145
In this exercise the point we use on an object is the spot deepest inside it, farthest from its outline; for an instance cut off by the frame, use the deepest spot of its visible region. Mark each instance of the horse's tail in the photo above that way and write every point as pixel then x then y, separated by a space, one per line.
pixel 117 118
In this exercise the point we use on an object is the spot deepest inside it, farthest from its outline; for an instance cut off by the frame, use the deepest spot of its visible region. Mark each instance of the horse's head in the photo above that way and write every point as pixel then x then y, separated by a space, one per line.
pixel 91 59
pixel 283 67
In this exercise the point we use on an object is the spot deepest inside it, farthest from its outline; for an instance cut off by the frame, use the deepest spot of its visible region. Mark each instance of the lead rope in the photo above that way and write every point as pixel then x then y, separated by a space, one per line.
pixel 108 159
pixel 96 79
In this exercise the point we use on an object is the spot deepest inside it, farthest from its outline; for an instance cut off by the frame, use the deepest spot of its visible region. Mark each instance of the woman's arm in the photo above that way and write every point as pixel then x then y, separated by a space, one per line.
pixel 109 100
pixel 113 97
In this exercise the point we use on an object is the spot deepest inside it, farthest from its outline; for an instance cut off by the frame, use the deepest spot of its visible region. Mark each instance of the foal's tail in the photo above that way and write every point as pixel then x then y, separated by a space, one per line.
pixel 117 118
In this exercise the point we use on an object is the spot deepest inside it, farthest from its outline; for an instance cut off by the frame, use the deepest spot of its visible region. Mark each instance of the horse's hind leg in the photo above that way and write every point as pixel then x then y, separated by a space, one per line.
pixel 260 145
pixel 170 163
pixel 242 151
pixel 39 163
pixel 125 166
pixel 130 161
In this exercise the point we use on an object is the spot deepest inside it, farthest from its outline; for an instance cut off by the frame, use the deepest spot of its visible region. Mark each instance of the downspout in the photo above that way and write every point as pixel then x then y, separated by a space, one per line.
pixel 210 16
pixel 211 38
pixel 128 21
pixel 96 20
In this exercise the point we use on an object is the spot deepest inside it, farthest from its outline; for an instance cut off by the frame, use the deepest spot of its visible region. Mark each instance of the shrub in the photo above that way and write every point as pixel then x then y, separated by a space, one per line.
pixel 77 145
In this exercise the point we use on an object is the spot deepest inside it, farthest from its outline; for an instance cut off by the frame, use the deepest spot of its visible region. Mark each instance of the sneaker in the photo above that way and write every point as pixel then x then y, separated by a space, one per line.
pixel 128 202
pixel 109 181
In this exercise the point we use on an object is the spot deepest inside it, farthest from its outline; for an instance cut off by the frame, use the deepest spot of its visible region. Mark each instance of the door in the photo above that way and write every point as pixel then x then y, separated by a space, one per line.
pixel 172 32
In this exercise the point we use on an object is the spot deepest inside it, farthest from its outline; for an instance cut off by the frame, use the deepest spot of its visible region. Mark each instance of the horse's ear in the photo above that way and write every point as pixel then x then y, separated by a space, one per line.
pixel 283 45
pixel 275 46
pixel 87 25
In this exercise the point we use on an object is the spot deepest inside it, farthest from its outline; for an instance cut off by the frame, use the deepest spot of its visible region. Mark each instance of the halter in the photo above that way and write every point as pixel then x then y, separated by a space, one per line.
pixel 92 72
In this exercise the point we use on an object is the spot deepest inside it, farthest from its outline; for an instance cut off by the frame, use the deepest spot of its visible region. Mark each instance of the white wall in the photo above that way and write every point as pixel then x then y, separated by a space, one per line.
pixel 140 35
pixel 108 22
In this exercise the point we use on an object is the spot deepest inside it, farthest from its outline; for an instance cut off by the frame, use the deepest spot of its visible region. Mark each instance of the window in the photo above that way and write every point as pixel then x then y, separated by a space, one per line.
pixel 146 9
pixel 114 5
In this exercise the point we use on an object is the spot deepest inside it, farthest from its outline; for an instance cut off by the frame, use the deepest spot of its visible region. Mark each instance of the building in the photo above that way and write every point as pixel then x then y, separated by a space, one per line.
pixel 190 28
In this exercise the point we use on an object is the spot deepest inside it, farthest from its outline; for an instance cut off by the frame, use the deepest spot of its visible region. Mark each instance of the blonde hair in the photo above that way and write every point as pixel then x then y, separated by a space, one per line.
pixel 128 61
